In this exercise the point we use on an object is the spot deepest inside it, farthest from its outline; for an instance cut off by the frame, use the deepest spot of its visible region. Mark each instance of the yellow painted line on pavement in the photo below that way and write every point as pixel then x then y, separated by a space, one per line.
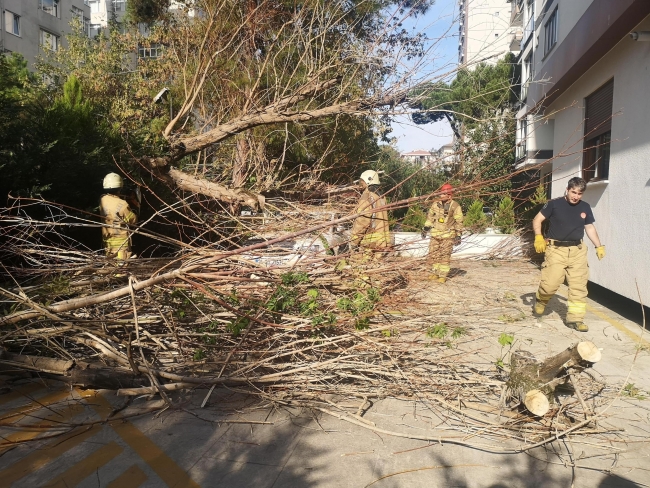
pixel 87 466
pixel 40 458
pixel 52 418
pixel 164 466
pixel 619 326
pixel 131 478
pixel 20 392
pixel 37 404
pixel 614 323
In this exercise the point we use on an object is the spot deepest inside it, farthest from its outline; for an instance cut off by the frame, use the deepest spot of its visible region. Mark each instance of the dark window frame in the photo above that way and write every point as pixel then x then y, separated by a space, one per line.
pixel 598 133
pixel 15 23
pixel 50 7
pixel 550 31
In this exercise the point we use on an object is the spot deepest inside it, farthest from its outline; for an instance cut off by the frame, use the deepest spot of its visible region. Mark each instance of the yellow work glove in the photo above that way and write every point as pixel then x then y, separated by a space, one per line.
pixel 540 243
pixel 600 252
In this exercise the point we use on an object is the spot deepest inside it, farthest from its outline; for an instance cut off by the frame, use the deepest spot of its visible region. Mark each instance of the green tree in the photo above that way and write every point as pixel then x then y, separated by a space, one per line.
pixel 264 92
pixel 54 145
pixel 475 219
pixel 479 105
pixel 504 215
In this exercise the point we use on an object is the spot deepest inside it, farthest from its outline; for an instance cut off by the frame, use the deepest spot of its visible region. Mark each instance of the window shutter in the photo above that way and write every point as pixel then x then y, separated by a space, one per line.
pixel 598 113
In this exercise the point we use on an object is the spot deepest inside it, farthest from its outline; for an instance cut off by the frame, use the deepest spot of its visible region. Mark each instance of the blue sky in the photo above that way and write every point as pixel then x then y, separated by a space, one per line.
pixel 440 27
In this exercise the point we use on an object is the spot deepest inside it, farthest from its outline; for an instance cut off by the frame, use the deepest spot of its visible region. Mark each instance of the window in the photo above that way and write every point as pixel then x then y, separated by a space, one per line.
pixel 78 14
pixel 94 29
pixel 522 137
pixel 49 41
pixel 598 133
pixel 49 6
pixel 550 32
pixel 12 23
pixel 154 51
pixel 94 6
pixel 119 5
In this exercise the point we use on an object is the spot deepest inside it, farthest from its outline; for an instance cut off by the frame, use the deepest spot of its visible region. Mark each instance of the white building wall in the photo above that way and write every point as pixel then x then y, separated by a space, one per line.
pixel 622 205
pixel 487 30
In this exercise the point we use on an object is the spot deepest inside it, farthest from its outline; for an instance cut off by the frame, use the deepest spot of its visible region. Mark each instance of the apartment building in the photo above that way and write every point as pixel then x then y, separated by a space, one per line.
pixel 484 31
pixel 585 112
pixel 30 27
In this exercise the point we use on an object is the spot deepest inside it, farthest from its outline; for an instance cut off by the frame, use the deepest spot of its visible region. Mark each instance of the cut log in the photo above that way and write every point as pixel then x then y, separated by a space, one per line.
pixel 536 402
pixel 533 382
pixel 583 354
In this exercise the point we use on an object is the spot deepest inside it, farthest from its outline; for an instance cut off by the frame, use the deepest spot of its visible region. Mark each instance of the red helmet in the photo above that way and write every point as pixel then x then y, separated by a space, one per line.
pixel 446 188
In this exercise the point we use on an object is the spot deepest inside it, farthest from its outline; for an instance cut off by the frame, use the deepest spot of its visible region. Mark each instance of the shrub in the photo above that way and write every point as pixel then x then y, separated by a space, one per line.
pixel 475 219
pixel 504 215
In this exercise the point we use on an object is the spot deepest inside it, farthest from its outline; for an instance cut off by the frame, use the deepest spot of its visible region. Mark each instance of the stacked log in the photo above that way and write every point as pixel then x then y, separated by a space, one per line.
pixel 533 382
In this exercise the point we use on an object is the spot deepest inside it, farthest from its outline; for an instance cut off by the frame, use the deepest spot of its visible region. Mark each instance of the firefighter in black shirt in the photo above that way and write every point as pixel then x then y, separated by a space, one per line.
pixel 565 253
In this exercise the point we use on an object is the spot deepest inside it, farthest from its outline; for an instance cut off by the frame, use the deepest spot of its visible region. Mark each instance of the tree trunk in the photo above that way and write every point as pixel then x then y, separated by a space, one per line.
pixel 195 184
pixel 76 373
pixel 534 382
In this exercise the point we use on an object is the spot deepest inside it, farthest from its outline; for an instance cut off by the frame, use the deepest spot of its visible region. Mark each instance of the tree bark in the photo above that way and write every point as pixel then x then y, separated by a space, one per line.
pixel 534 382
pixel 76 373
pixel 195 184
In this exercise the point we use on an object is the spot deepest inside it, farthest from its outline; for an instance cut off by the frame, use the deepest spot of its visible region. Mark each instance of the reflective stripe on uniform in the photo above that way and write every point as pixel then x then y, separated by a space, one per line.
pixel 374 237
pixel 576 308
pixel 441 267
pixel 442 234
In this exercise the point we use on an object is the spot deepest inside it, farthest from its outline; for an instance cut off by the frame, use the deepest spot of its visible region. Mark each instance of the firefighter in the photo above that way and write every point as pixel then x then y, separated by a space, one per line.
pixel 370 229
pixel 444 223
pixel 565 254
pixel 117 215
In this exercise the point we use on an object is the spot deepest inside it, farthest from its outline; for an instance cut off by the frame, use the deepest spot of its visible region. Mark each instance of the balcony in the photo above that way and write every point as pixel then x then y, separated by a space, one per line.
pixel 516 14
pixel 528 32
pixel 515 41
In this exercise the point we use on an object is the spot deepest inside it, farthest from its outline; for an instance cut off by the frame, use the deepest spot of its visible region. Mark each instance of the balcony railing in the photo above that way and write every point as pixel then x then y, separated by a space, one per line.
pixel 528 32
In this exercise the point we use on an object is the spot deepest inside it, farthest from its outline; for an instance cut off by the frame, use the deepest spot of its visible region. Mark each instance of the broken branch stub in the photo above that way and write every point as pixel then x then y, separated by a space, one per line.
pixel 533 382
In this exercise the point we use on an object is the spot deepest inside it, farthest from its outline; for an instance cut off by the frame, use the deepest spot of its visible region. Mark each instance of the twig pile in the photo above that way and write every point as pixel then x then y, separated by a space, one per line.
pixel 315 331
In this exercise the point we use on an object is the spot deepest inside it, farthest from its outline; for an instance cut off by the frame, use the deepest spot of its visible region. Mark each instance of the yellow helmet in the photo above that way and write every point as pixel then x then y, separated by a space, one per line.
pixel 113 181
pixel 370 177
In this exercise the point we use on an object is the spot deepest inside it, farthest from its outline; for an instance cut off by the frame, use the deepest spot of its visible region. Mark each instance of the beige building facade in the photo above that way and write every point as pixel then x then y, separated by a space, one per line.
pixel 484 31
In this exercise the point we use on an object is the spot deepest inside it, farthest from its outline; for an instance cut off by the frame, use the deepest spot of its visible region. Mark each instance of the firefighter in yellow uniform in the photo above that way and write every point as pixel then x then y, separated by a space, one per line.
pixel 117 215
pixel 444 222
pixel 565 252
pixel 370 229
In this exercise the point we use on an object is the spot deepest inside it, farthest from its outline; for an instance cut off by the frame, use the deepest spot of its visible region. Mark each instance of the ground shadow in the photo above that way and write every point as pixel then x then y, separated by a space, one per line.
pixel 556 304
pixel 456 272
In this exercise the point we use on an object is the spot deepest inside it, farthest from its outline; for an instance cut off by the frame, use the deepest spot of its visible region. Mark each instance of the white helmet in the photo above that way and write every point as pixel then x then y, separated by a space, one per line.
pixel 370 177
pixel 113 181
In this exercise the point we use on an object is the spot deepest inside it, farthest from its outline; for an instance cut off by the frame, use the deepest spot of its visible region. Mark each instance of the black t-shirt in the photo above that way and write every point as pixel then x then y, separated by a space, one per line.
pixel 567 222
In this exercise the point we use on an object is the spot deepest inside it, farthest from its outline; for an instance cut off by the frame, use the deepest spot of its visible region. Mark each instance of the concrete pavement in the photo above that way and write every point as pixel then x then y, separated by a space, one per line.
pixel 279 447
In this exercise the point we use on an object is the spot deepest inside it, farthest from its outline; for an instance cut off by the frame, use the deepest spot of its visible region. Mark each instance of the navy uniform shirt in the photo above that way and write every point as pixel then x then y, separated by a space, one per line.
pixel 567 222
